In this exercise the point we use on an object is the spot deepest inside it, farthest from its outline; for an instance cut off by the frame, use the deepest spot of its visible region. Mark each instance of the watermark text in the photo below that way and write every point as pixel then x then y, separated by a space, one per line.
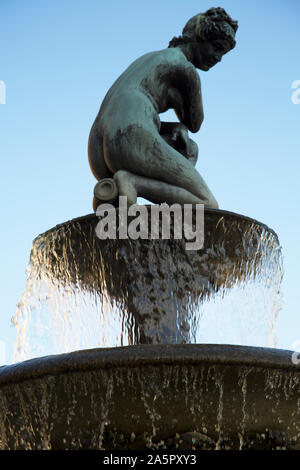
pixel 2 92
pixel 133 222
pixel 295 97
pixel 296 354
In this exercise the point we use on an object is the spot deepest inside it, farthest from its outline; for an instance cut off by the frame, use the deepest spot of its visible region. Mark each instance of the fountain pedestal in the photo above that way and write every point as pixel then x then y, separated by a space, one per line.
pixel 152 393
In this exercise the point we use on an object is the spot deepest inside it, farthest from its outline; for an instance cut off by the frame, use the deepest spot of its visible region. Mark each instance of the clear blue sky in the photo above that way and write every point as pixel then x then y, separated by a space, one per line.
pixel 58 58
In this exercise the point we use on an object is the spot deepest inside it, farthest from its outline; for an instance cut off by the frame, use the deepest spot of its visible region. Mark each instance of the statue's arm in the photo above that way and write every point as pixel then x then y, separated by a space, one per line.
pixel 176 135
pixel 185 96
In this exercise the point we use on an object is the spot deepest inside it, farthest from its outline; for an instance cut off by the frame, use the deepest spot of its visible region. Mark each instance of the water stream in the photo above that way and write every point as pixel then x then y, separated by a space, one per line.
pixel 81 293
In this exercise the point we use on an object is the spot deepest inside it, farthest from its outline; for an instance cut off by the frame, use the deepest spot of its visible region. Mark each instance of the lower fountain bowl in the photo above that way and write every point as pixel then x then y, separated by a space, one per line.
pixel 193 396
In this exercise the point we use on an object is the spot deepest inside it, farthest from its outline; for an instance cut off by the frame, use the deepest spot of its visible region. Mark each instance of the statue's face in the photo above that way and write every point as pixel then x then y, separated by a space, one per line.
pixel 209 53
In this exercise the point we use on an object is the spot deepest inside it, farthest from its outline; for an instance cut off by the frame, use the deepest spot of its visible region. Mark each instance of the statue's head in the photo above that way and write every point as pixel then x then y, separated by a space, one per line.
pixel 210 34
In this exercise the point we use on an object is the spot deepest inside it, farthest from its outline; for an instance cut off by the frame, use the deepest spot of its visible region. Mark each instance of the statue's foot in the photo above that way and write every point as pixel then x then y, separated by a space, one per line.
pixel 132 185
pixel 126 185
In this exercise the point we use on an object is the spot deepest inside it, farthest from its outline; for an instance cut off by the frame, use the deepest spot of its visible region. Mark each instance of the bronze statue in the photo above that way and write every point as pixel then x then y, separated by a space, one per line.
pixel 131 152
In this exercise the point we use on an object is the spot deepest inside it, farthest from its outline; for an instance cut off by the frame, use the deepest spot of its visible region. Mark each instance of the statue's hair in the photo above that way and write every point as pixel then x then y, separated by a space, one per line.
pixel 215 23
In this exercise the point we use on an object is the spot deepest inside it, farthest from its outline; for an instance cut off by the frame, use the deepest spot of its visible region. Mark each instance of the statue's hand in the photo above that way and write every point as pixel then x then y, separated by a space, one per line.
pixel 176 135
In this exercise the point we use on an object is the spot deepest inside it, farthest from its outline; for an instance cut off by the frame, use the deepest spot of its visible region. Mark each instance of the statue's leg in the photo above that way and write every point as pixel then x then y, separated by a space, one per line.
pixel 132 185
pixel 143 152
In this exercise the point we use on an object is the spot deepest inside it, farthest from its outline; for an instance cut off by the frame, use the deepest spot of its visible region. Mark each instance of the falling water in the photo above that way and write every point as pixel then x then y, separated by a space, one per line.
pixel 151 398
pixel 85 293
pixel 174 393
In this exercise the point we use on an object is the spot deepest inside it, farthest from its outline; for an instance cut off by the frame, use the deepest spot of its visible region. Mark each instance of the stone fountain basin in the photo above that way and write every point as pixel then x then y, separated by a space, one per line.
pixel 152 396
pixel 155 286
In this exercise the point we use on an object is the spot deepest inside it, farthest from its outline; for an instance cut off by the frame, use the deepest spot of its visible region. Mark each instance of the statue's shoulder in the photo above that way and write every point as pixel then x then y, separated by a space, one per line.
pixel 170 57
pixel 173 55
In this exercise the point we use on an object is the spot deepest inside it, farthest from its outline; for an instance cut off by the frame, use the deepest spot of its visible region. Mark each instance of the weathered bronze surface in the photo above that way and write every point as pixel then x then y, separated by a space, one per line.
pixel 147 157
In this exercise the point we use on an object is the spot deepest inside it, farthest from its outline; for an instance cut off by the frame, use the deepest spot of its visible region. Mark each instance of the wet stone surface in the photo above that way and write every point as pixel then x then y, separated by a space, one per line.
pixel 84 292
pixel 174 397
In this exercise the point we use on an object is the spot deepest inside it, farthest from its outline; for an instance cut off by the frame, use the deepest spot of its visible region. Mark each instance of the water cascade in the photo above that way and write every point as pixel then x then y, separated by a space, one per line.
pixel 112 342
